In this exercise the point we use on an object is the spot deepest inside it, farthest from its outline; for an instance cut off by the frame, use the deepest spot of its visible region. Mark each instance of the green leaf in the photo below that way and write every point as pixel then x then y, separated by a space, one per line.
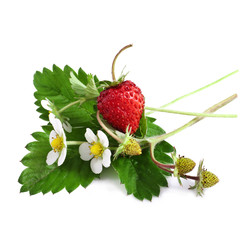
pixel 88 91
pixel 141 176
pixel 39 177
pixel 153 129
pixel 78 87
pixel 82 76
pixel 55 86
pixel 142 130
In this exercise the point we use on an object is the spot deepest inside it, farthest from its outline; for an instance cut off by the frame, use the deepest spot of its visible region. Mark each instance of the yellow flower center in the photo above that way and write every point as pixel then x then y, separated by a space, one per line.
pixel 57 144
pixel 97 149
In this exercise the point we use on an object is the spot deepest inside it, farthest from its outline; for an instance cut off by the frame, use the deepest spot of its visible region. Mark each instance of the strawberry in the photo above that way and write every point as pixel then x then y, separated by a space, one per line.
pixel 122 106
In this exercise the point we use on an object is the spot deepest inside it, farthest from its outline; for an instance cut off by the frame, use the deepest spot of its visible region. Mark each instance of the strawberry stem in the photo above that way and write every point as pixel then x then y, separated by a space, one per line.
pixel 165 167
pixel 157 139
pixel 198 90
pixel 107 129
pixel 192 113
pixel 115 58
pixel 74 142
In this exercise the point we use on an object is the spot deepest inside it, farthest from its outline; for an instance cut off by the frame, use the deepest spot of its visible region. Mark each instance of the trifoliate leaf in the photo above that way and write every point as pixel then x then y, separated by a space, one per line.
pixel 39 177
pixel 141 176
pixel 55 86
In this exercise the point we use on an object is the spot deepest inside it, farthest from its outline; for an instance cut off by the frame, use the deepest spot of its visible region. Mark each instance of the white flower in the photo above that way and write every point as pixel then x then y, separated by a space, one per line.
pixel 96 149
pixel 46 104
pixel 58 142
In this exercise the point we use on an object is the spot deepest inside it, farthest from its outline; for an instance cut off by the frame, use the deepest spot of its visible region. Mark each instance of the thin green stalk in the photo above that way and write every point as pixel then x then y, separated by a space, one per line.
pixel 192 113
pixel 198 90
pixel 74 142
pixel 69 105
pixel 156 139
pixel 80 142
pixel 165 167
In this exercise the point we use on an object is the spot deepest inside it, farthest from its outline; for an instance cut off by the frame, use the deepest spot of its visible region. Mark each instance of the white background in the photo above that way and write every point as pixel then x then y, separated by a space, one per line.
pixel 179 46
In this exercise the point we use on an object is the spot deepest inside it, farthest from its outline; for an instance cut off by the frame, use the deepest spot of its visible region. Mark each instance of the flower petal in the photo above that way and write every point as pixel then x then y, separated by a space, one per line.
pixel 52 157
pixel 90 136
pixel 103 138
pixel 106 158
pixel 62 156
pixel 67 126
pixel 96 165
pixel 64 139
pixel 52 118
pixel 52 136
pixel 46 105
pixel 85 153
pixel 56 123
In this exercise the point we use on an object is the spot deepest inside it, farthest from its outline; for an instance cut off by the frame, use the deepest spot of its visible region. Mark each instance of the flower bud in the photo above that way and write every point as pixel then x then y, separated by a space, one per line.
pixel 208 179
pixel 184 165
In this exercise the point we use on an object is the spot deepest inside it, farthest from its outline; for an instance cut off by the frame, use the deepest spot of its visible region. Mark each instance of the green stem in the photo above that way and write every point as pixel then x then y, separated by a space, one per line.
pixel 113 148
pixel 114 61
pixel 198 90
pixel 69 105
pixel 80 142
pixel 107 129
pixel 74 142
pixel 165 167
pixel 192 113
pixel 214 108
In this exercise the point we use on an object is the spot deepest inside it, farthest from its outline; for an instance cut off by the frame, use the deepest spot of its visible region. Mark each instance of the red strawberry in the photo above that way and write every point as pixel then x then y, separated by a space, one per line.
pixel 122 105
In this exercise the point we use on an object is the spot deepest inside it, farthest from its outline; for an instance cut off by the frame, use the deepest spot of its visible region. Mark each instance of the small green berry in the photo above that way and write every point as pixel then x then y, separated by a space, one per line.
pixel 208 179
pixel 184 165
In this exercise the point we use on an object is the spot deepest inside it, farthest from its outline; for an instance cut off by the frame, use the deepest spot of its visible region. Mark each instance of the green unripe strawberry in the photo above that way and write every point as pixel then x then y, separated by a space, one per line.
pixel 184 165
pixel 208 179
